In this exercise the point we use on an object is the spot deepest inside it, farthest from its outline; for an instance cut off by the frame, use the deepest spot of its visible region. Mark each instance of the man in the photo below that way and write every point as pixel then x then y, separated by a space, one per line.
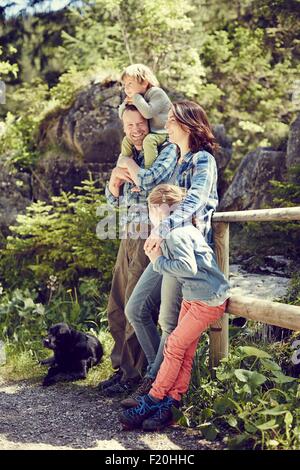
pixel 127 357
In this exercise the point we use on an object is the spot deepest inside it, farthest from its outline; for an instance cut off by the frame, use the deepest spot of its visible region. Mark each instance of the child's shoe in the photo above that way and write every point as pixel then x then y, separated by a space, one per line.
pixel 143 389
pixel 162 417
pixel 134 417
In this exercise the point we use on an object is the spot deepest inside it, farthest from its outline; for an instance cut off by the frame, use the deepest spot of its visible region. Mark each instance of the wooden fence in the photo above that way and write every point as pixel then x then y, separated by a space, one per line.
pixel 272 313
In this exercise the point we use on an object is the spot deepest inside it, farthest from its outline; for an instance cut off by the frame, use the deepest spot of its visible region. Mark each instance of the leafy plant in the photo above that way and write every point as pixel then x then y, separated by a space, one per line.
pixel 59 239
pixel 22 320
pixel 55 254
pixel 251 403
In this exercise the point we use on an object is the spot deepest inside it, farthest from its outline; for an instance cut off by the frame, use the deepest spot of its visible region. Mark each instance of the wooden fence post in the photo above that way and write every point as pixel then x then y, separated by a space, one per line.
pixel 218 334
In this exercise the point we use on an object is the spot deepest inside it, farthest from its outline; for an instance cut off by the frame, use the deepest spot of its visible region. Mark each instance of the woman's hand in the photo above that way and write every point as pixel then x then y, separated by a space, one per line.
pixel 152 241
pixel 154 254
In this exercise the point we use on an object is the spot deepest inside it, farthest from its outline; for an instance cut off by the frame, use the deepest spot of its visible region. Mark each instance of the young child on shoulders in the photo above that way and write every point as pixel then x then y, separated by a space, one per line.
pixel 205 290
pixel 142 89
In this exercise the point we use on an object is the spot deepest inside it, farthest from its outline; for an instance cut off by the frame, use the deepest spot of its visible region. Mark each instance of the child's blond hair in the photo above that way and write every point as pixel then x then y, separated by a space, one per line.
pixel 166 194
pixel 169 194
pixel 141 73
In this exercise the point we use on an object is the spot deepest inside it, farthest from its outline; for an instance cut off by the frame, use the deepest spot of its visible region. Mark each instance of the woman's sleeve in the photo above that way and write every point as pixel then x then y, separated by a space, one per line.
pixel 203 179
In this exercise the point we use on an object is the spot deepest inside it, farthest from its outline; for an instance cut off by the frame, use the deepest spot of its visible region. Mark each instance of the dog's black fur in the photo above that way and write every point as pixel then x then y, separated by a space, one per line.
pixel 74 353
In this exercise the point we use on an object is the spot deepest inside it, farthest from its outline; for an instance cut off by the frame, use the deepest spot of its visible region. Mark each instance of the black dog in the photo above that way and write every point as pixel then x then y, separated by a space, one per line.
pixel 74 354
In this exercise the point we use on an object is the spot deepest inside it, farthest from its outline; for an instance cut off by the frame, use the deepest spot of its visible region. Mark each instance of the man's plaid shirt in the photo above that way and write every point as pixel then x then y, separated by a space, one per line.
pixel 133 206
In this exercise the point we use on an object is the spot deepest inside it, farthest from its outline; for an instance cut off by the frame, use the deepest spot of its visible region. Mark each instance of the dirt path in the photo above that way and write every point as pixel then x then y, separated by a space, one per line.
pixel 68 416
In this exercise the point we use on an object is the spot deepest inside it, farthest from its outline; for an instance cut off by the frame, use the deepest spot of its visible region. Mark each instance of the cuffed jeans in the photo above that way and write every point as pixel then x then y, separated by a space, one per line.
pixel 151 290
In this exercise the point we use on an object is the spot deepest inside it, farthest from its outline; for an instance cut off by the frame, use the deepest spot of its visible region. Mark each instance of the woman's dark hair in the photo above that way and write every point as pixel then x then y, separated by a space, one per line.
pixel 193 118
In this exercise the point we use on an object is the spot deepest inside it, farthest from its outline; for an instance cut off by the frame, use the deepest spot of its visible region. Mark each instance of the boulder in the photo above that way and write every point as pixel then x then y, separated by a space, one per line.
pixel 251 184
pixel 15 195
pixel 83 139
pixel 56 174
pixel 89 129
pixel 293 147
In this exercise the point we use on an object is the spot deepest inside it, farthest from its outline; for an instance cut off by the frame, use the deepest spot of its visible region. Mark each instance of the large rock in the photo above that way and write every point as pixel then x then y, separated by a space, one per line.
pixel 56 174
pixel 251 184
pixel 224 154
pixel 15 195
pixel 84 138
pixel 90 128
pixel 293 147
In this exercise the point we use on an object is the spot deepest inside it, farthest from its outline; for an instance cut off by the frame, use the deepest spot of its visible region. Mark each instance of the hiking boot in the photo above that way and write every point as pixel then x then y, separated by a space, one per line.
pixel 121 388
pixel 134 417
pixel 114 378
pixel 162 417
pixel 143 389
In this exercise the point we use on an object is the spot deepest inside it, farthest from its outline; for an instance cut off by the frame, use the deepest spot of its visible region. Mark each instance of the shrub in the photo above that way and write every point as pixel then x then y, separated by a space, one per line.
pixel 250 404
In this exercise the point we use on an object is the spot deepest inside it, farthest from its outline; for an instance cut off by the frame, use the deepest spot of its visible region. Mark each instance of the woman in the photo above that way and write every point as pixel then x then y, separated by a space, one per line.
pixel 196 170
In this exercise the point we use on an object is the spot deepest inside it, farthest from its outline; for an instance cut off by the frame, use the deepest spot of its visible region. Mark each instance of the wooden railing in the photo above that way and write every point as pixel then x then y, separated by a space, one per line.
pixel 272 313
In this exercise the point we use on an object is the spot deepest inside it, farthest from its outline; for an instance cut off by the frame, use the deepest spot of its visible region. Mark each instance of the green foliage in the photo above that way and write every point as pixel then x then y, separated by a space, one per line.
pixel 239 60
pixel 292 296
pixel 31 102
pixel 68 84
pixel 54 252
pixel 84 305
pixel 18 139
pixel 31 41
pixel 153 32
pixel 22 319
pixel 252 89
pixel 287 193
pixel 251 403
pixel 6 68
pixel 58 239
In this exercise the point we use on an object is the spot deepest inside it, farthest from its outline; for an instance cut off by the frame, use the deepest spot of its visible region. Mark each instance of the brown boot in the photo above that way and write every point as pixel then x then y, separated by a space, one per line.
pixel 143 389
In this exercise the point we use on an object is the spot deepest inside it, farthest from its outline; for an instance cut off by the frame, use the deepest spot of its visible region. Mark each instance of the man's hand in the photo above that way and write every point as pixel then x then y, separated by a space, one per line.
pixel 123 162
pixel 118 177
pixel 154 254
pixel 153 241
